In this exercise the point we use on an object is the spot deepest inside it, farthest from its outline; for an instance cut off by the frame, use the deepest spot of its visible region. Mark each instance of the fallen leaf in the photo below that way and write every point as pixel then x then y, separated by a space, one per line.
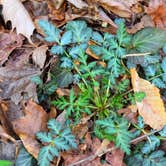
pixel 118 7
pixel 56 10
pixel 8 42
pixel 18 15
pixel 39 55
pixel 5 135
pixel 63 92
pixel 115 158
pixel 78 3
pixel 16 84
pixel 146 21
pixel 129 113
pixel 152 107
pixel 157 11
pixel 89 51
pixel 5 117
pixel 26 127
pixel 103 147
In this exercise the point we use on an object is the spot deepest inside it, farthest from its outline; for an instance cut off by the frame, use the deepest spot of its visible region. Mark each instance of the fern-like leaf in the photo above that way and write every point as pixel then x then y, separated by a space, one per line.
pixel 52 33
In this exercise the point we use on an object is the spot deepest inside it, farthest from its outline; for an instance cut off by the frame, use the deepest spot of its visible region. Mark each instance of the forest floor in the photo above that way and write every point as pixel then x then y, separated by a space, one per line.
pixel 83 82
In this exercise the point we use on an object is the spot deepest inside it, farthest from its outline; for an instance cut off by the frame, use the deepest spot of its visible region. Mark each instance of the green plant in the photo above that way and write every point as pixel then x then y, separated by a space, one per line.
pixel 102 90
pixel 156 73
pixel 59 138
pixel 147 152
pixel 24 158
pixel 114 129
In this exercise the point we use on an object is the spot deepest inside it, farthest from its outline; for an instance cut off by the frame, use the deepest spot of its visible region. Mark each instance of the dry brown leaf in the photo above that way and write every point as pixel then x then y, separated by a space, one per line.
pixel 151 108
pixel 89 52
pixel 146 21
pixel 63 92
pixel 78 3
pixel 103 147
pixel 18 15
pixel 8 42
pixel 16 84
pixel 39 55
pixel 5 135
pixel 119 7
pixel 26 127
pixel 157 11
pixel 115 158
pixel 5 117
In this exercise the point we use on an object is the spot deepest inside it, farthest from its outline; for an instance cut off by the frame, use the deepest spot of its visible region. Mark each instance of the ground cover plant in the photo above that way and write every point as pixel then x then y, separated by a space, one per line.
pixel 87 87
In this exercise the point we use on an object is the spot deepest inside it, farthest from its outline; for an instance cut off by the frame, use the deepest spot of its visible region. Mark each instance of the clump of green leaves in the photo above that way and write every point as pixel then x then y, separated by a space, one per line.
pixel 59 138
pixel 102 90
pixel 147 153
pixel 114 129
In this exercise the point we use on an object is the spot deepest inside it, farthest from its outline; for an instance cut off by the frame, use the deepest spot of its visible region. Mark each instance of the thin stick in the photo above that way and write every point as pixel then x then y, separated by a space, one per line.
pixel 92 157
pixel 138 54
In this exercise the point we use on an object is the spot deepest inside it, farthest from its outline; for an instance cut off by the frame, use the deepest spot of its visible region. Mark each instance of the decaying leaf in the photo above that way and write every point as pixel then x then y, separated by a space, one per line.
pixel 157 11
pixel 119 7
pixel 26 127
pixel 39 55
pixel 115 158
pixel 78 3
pixel 18 15
pixel 151 108
pixel 5 135
pixel 16 84
pixel 8 42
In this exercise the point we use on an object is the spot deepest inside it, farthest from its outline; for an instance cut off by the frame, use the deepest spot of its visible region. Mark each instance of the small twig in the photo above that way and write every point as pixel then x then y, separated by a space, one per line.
pixel 92 157
pixel 137 54
pixel 143 136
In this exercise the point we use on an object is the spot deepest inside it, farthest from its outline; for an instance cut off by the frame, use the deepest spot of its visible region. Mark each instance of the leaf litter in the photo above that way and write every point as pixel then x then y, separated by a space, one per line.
pixel 45 83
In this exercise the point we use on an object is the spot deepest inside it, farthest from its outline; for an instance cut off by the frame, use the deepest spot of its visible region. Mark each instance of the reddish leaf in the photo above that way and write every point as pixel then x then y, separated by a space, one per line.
pixel 157 11
pixel 8 42
pixel 115 158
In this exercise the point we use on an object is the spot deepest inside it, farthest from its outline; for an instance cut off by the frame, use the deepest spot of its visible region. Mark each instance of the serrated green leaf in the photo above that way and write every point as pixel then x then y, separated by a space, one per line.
pixel 52 33
pixel 149 40
pixel 57 50
pixel 63 78
pixel 151 145
pixel 66 38
pixel 163 132
pixel 96 36
pixel 24 159
pixel 66 62
pixel 78 49
pixel 37 80
pixel 150 70
pixel 81 33
pixel 163 64
pixel 159 83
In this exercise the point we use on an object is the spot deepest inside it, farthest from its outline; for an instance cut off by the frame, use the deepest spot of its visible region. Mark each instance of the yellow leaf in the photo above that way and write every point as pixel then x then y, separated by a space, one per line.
pixel 151 108
pixel 14 11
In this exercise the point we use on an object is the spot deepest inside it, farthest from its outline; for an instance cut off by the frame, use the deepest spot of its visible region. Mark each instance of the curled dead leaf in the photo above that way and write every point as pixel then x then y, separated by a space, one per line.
pixel 157 11
pixel 151 108
pixel 39 55
pixel 26 127
pixel 8 42
pixel 18 15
